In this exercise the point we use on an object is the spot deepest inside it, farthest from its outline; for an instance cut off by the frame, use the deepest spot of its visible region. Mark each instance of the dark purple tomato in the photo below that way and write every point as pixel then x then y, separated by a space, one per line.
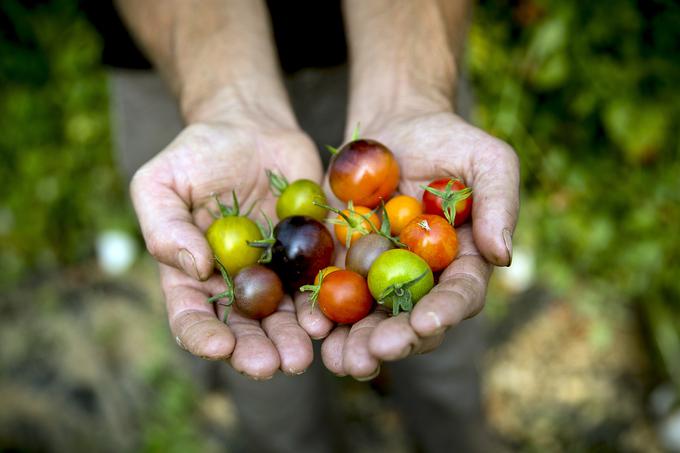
pixel 303 247
pixel 364 251
pixel 257 291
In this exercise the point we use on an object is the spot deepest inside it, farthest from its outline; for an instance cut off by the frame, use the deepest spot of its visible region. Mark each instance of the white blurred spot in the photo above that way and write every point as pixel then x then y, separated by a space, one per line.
pixel 116 251
pixel 520 275
pixel 669 432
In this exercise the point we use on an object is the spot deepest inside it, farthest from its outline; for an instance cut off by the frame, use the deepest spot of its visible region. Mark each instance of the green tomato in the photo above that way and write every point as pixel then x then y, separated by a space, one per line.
pixel 298 198
pixel 398 279
pixel 228 237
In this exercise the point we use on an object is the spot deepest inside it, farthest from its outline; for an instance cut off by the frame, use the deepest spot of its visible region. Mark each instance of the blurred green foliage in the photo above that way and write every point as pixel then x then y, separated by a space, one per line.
pixel 59 185
pixel 587 94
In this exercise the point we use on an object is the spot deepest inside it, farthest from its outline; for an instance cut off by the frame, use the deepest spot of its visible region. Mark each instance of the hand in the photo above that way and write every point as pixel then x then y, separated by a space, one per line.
pixel 171 194
pixel 428 147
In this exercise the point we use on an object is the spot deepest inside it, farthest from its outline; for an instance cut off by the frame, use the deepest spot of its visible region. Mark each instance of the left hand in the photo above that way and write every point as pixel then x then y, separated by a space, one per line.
pixel 429 146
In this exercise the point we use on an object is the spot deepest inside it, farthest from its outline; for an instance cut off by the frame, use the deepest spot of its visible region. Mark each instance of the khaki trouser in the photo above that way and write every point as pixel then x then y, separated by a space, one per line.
pixel 438 394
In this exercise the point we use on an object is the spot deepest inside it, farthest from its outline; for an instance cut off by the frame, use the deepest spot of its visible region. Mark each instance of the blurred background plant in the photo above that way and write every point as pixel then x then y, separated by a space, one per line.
pixel 587 94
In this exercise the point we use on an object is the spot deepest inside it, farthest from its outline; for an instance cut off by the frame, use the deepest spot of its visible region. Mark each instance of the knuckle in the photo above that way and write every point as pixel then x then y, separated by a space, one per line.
pixel 155 244
pixel 139 180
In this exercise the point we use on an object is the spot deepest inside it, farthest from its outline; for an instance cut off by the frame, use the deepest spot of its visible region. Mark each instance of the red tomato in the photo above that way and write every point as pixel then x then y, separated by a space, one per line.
pixel 364 171
pixel 433 239
pixel 448 192
pixel 344 297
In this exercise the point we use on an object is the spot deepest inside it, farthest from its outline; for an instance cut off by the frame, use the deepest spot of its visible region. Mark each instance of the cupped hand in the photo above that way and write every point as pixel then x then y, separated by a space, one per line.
pixel 173 197
pixel 428 147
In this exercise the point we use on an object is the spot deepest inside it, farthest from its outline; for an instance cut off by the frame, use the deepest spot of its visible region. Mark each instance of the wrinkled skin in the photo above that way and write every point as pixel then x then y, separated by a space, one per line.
pixel 429 146
pixel 170 194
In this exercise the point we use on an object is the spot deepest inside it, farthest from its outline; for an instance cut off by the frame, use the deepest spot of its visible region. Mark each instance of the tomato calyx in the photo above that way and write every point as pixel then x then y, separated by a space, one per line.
pixel 424 225
pixel 277 183
pixel 386 228
pixel 227 294
pixel 267 242
pixel 229 211
pixel 449 198
pixel 400 295
pixel 354 221
pixel 315 289
pixel 355 137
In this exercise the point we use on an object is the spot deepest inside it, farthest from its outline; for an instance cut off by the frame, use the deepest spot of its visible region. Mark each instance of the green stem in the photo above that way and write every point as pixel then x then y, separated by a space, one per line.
pixel 277 183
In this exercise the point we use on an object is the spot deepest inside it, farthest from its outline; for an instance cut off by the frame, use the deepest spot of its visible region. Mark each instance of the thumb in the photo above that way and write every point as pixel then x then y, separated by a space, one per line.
pixel 167 226
pixel 496 204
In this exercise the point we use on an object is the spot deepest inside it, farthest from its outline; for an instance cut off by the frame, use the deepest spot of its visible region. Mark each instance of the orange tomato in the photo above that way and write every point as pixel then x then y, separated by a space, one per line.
pixel 365 171
pixel 324 272
pixel 433 239
pixel 358 225
pixel 401 210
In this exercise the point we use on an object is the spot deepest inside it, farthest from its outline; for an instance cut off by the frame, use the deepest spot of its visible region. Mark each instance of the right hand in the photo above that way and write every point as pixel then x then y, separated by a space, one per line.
pixel 172 193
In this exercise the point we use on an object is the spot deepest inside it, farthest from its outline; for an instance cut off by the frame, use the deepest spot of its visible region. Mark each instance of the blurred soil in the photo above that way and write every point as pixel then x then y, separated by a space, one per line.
pixel 88 364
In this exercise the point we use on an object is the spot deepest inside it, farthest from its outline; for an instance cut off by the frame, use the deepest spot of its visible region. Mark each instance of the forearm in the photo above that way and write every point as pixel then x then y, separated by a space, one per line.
pixel 214 54
pixel 404 54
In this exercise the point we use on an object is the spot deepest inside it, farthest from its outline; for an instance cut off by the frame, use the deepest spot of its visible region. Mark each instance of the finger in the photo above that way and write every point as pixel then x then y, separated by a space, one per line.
pixel 310 317
pixel 428 344
pixel 167 223
pixel 192 320
pixel 459 294
pixel 357 360
pixel 332 350
pixel 254 354
pixel 291 341
pixel 495 181
pixel 393 338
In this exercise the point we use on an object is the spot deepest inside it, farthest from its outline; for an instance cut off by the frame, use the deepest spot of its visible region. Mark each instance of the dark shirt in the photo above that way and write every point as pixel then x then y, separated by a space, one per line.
pixel 308 33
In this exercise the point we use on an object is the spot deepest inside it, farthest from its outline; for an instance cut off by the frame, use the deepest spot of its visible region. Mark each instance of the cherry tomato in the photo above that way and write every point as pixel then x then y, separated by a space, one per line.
pixel 344 297
pixel 442 195
pixel 401 210
pixel 257 291
pixel 355 225
pixel 228 237
pixel 398 279
pixel 432 238
pixel 303 246
pixel 364 171
pixel 324 272
pixel 297 198
pixel 364 251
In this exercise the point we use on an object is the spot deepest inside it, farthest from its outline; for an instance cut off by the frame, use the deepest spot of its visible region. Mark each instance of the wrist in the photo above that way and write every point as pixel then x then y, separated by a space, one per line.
pixel 374 111
pixel 238 103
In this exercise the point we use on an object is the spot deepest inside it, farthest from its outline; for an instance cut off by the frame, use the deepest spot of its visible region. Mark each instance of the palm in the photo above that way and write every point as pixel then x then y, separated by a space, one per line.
pixel 431 147
pixel 173 195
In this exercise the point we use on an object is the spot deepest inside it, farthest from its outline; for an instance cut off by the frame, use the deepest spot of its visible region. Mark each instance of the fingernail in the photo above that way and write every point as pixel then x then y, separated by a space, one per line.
pixel 188 263
pixel 261 378
pixel 368 378
pixel 293 372
pixel 507 238
pixel 179 343
pixel 406 351
pixel 435 319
